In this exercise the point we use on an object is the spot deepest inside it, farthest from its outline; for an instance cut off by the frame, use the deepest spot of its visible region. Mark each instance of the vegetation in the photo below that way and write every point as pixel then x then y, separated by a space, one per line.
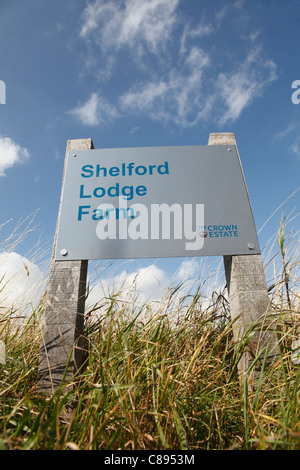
pixel 161 376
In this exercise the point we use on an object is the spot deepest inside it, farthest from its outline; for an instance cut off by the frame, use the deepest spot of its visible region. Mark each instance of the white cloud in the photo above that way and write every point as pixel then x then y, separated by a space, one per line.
pixel 187 270
pixel 295 147
pixel 175 74
pixel 11 154
pixel 184 98
pixel 147 284
pixel 237 90
pixel 178 98
pixel 292 133
pixel 88 112
pixel 290 128
pixel 152 286
pixel 21 283
pixel 293 129
pixel 199 31
pixel 143 98
pixel 119 24
pixel 96 110
pixel 134 129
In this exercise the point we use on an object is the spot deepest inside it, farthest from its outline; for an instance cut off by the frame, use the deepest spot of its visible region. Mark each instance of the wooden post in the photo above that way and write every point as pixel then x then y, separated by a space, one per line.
pixel 62 348
pixel 248 294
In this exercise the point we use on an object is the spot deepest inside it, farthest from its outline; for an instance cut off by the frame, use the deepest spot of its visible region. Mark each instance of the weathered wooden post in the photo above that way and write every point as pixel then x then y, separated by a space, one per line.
pixel 248 294
pixel 61 351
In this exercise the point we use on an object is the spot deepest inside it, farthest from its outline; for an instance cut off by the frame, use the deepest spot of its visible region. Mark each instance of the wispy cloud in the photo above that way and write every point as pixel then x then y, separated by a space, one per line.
pixel 172 75
pixel 290 128
pixel 295 147
pixel 189 32
pixel 238 89
pixel 119 24
pixel 292 133
pixel 176 97
pixel 11 154
pixel 96 110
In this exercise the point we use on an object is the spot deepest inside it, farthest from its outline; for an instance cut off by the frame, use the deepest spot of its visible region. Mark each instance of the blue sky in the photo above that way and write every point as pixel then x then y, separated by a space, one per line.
pixel 142 73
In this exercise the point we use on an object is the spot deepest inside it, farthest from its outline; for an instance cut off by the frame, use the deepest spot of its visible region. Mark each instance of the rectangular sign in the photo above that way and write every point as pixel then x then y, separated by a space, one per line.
pixel 155 202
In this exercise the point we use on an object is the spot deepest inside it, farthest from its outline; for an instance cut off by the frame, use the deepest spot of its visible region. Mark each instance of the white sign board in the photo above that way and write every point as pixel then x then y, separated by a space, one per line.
pixel 155 202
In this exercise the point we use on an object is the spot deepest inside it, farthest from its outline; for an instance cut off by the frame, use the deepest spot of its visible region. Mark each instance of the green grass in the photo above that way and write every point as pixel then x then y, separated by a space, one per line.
pixel 158 378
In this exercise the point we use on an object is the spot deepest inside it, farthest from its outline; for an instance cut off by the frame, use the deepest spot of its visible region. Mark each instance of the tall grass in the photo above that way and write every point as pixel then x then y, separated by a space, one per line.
pixel 159 377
